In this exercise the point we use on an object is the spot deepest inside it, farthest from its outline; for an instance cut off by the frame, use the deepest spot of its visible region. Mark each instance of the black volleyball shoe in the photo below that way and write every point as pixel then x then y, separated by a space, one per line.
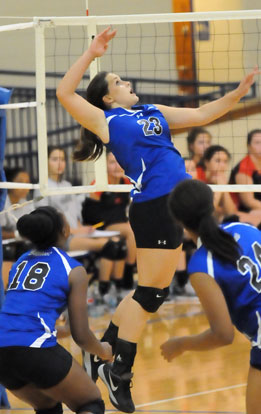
pixel 118 387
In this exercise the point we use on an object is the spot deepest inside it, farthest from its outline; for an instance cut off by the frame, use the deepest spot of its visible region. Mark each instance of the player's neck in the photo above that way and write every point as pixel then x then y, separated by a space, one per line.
pixel 117 105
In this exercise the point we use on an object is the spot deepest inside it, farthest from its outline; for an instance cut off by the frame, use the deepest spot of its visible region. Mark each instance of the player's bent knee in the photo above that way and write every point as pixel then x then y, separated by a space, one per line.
pixel 58 409
pixel 95 407
pixel 150 298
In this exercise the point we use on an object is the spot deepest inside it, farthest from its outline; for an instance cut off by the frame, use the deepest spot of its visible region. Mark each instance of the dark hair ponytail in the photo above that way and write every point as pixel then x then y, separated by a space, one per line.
pixel 42 227
pixel 216 240
pixel 191 203
pixel 90 147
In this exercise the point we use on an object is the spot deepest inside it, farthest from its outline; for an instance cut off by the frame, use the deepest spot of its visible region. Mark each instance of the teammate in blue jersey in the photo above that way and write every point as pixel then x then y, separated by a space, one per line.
pixel 42 283
pixel 140 139
pixel 225 273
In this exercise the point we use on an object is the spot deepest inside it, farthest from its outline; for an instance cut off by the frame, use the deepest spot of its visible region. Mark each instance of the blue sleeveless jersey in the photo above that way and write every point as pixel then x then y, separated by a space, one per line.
pixel 241 286
pixel 37 293
pixel 141 142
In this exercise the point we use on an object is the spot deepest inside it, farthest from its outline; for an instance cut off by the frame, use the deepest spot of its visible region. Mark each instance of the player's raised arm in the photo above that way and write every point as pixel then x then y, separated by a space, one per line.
pixel 189 117
pixel 80 109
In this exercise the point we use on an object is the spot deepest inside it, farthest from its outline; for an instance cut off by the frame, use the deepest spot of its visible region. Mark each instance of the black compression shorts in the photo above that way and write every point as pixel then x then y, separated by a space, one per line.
pixel 43 367
pixel 153 226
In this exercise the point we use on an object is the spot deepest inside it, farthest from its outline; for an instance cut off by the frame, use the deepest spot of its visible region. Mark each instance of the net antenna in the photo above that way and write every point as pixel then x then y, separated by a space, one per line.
pixel 134 32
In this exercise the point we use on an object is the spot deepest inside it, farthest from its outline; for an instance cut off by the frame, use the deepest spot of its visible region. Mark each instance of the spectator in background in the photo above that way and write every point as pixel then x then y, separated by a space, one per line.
pixel 110 250
pixel 14 196
pixel 248 171
pixel 13 249
pixel 198 140
pixel 215 170
pixel 112 209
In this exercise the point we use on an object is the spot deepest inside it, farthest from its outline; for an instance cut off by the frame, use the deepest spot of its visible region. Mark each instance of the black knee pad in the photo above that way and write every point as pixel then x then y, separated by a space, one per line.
pixel 150 298
pixel 58 409
pixel 114 250
pixel 95 407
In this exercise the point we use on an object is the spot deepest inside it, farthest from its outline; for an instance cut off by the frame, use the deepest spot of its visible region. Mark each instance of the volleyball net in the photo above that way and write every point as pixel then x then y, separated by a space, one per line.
pixel 176 59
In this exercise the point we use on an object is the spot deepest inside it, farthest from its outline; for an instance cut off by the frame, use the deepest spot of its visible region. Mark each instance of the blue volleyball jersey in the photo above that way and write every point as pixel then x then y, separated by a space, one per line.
pixel 37 293
pixel 240 285
pixel 141 142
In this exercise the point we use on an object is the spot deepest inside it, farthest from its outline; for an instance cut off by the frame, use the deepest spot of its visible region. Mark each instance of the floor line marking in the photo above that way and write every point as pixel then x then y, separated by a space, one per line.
pixel 193 395
pixel 187 396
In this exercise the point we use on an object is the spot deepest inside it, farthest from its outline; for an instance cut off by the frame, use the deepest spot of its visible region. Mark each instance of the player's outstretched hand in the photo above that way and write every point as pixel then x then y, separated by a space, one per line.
pixel 99 44
pixel 247 81
pixel 172 348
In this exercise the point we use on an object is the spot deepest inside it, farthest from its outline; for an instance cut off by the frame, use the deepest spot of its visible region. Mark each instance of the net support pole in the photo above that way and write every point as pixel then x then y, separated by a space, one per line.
pixel 41 105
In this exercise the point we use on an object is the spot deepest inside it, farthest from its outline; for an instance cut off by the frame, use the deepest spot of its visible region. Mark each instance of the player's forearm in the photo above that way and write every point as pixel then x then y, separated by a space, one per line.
pixel 88 341
pixel 206 341
pixel 74 75
pixel 215 109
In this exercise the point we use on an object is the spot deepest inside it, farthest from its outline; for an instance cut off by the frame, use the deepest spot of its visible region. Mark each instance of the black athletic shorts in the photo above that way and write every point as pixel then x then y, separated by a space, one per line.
pixel 43 367
pixel 153 226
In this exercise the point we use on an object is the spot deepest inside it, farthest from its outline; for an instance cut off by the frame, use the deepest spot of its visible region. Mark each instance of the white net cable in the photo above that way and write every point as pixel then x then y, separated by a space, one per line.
pixel 19 205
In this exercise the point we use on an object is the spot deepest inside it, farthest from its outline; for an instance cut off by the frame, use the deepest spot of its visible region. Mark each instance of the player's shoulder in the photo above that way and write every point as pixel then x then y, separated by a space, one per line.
pixel 65 258
pixel 53 255
pixel 237 228
pixel 198 258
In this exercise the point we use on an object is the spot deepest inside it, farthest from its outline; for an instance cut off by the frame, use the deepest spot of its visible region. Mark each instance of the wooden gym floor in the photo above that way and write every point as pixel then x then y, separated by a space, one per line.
pixel 200 382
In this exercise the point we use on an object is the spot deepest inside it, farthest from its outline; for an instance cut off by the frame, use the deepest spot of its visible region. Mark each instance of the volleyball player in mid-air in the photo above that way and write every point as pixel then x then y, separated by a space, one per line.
pixel 42 283
pixel 140 139
pixel 225 273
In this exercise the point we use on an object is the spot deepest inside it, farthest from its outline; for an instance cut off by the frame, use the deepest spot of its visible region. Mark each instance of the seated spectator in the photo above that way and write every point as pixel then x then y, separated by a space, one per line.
pixel 111 208
pixel 109 249
pixel 248 171
pixel 9 218
pixel 215 170
pixel 198 140
pixel 14 196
